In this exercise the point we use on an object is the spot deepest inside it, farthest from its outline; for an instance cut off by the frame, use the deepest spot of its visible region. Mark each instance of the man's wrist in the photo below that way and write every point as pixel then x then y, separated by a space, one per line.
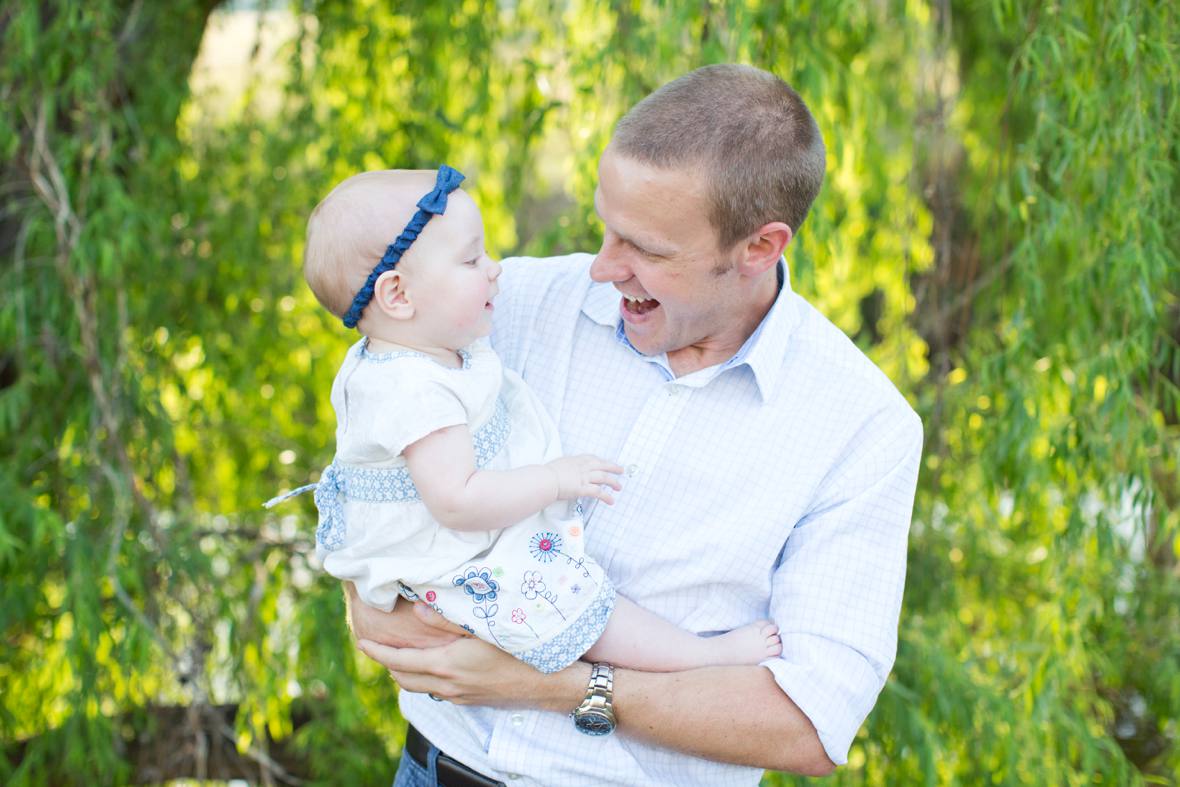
pixel 595 715
pixel 564 690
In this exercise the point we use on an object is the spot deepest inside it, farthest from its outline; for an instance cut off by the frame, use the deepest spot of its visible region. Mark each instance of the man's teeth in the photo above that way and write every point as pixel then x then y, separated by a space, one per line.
pixel 632 299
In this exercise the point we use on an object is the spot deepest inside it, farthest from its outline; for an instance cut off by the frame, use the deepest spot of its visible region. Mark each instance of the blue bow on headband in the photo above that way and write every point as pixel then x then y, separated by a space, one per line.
pixel 434 203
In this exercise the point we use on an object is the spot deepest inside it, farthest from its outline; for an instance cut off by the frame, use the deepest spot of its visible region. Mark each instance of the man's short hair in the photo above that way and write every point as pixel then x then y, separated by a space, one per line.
pixel 749 132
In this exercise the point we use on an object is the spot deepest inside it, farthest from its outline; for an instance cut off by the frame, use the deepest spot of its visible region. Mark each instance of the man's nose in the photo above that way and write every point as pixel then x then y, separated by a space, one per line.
pixel 609 265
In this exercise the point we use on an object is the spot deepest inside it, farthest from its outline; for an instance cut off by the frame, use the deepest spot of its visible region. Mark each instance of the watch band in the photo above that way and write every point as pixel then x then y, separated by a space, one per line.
pixel 602 682
pixel 596 714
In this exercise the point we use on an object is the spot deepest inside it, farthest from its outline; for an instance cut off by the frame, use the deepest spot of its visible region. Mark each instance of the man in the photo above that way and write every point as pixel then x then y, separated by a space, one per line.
pixel 771 471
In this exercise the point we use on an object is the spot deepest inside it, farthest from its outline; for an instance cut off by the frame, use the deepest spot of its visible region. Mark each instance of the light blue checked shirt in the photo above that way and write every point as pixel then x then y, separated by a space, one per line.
pixel 778 484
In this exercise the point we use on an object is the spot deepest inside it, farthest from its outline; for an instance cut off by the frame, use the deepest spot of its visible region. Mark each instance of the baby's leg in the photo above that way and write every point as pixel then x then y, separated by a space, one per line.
pixel 642 640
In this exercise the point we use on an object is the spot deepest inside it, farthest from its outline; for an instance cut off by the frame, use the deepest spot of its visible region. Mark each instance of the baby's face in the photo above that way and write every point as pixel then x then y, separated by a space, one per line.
pixel 450 278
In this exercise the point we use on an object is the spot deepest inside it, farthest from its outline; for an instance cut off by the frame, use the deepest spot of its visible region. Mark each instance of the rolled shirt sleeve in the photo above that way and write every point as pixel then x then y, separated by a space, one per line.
pixel 837 589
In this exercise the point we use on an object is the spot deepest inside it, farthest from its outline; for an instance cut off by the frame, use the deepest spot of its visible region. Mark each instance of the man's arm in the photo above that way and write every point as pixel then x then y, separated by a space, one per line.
pixel 729 714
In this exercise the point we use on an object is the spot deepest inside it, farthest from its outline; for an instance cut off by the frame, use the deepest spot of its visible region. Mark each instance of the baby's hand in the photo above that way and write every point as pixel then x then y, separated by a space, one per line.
pixel 585 476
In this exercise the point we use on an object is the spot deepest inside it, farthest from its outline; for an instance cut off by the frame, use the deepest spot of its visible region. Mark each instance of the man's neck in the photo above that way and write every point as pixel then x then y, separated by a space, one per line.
pixel 710 352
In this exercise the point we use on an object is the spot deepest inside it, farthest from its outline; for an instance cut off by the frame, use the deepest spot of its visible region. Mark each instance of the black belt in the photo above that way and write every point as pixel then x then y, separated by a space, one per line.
pixel 449 771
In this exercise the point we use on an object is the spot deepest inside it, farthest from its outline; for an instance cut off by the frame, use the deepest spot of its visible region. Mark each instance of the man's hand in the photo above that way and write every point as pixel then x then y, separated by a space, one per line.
pixel 584 476
pixel 469 671
pixel 407 626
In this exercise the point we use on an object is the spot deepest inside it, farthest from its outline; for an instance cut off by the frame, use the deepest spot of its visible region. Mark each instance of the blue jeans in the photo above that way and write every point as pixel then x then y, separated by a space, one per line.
pixel 411 774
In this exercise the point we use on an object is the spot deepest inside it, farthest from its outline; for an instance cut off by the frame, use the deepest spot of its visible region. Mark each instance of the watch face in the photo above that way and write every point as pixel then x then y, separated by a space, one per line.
pixel 594 723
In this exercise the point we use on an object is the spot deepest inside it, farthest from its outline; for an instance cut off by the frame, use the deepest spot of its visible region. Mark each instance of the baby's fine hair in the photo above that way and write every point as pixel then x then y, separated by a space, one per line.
pixel 351 227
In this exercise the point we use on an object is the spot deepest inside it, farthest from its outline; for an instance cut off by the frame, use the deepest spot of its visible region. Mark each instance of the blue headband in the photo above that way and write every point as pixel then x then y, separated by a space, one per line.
pixel 434 203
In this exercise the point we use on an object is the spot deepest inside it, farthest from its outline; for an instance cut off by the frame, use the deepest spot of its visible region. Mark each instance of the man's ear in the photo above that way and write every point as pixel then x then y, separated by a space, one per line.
pixel 391 297
pixel 765 247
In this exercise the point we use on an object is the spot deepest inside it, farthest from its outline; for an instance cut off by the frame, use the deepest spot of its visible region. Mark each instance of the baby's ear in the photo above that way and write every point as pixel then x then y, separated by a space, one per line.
pixel 389 295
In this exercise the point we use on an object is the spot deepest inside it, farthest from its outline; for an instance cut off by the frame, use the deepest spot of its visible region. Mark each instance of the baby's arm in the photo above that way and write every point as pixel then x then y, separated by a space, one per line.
pixel 461 497
pixel 642 640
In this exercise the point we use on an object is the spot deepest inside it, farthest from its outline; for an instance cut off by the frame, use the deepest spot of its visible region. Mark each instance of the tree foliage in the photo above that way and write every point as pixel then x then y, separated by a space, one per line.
pixel 998 231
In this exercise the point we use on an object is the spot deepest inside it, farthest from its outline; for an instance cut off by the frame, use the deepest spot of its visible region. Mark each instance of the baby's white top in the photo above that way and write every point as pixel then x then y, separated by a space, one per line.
pixel 385 402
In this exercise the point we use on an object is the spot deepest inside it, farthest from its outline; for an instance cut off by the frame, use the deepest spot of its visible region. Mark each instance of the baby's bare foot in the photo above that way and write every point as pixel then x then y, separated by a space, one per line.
pixel 749 644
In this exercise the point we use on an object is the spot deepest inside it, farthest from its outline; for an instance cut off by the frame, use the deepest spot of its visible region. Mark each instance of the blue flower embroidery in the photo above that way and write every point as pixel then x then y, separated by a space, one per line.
pixel 478 583
pixel 545 546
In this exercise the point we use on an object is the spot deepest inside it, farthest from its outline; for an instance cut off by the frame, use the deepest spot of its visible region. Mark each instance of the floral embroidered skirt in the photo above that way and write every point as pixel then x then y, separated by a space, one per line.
pixel 534 594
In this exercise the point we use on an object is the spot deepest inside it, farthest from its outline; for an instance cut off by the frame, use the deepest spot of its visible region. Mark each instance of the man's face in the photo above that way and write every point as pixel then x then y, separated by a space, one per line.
pixel 660 251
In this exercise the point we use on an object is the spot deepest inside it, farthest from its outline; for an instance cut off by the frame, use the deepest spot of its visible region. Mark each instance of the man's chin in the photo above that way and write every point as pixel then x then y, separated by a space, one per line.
pixel 644 343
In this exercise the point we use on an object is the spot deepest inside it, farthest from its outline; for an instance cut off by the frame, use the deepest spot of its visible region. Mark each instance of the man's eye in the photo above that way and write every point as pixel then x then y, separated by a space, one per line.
pixel 651 255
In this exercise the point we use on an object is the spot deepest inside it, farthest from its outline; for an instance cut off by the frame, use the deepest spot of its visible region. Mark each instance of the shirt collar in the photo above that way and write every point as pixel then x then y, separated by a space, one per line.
pixel 762 352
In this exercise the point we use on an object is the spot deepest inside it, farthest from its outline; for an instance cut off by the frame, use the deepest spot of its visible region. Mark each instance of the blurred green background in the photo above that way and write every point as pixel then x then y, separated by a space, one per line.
pixel 998 231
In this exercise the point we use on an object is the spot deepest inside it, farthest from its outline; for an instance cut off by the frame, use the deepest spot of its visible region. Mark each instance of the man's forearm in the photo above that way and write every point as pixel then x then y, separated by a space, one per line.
pixel 729 714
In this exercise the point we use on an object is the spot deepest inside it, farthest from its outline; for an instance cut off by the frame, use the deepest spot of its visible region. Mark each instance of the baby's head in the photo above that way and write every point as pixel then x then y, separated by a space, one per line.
pixel 438 294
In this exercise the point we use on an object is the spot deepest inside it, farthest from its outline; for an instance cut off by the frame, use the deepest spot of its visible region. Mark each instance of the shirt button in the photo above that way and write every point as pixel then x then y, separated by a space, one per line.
pixel 517 719
pixel 631 470
pixel 514 776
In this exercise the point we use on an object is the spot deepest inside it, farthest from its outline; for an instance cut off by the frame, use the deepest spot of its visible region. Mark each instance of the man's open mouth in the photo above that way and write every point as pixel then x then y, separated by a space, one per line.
pixel 639 305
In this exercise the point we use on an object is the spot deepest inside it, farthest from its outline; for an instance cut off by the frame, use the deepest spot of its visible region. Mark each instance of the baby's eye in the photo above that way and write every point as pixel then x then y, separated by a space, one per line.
pixel 472 262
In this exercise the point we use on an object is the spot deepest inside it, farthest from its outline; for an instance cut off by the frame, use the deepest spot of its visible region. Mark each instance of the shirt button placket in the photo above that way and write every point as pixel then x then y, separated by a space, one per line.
pixel 508 736
pixel 649 434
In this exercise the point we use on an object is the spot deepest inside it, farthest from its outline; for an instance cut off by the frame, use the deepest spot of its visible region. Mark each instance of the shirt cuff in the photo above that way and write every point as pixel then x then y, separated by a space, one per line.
pixel 836 696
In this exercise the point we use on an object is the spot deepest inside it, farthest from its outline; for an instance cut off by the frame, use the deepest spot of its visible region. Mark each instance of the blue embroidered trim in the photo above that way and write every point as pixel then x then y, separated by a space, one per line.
pixel 389 484
pixel 433 203
pixel 364 352
pixel 490 438
pixel 568 646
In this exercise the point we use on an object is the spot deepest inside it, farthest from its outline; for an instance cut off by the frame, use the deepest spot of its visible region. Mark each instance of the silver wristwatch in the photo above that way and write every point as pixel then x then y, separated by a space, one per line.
pixel 596 714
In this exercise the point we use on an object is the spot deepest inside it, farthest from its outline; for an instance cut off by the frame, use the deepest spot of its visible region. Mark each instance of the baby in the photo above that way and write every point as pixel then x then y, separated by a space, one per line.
pixel 448 485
